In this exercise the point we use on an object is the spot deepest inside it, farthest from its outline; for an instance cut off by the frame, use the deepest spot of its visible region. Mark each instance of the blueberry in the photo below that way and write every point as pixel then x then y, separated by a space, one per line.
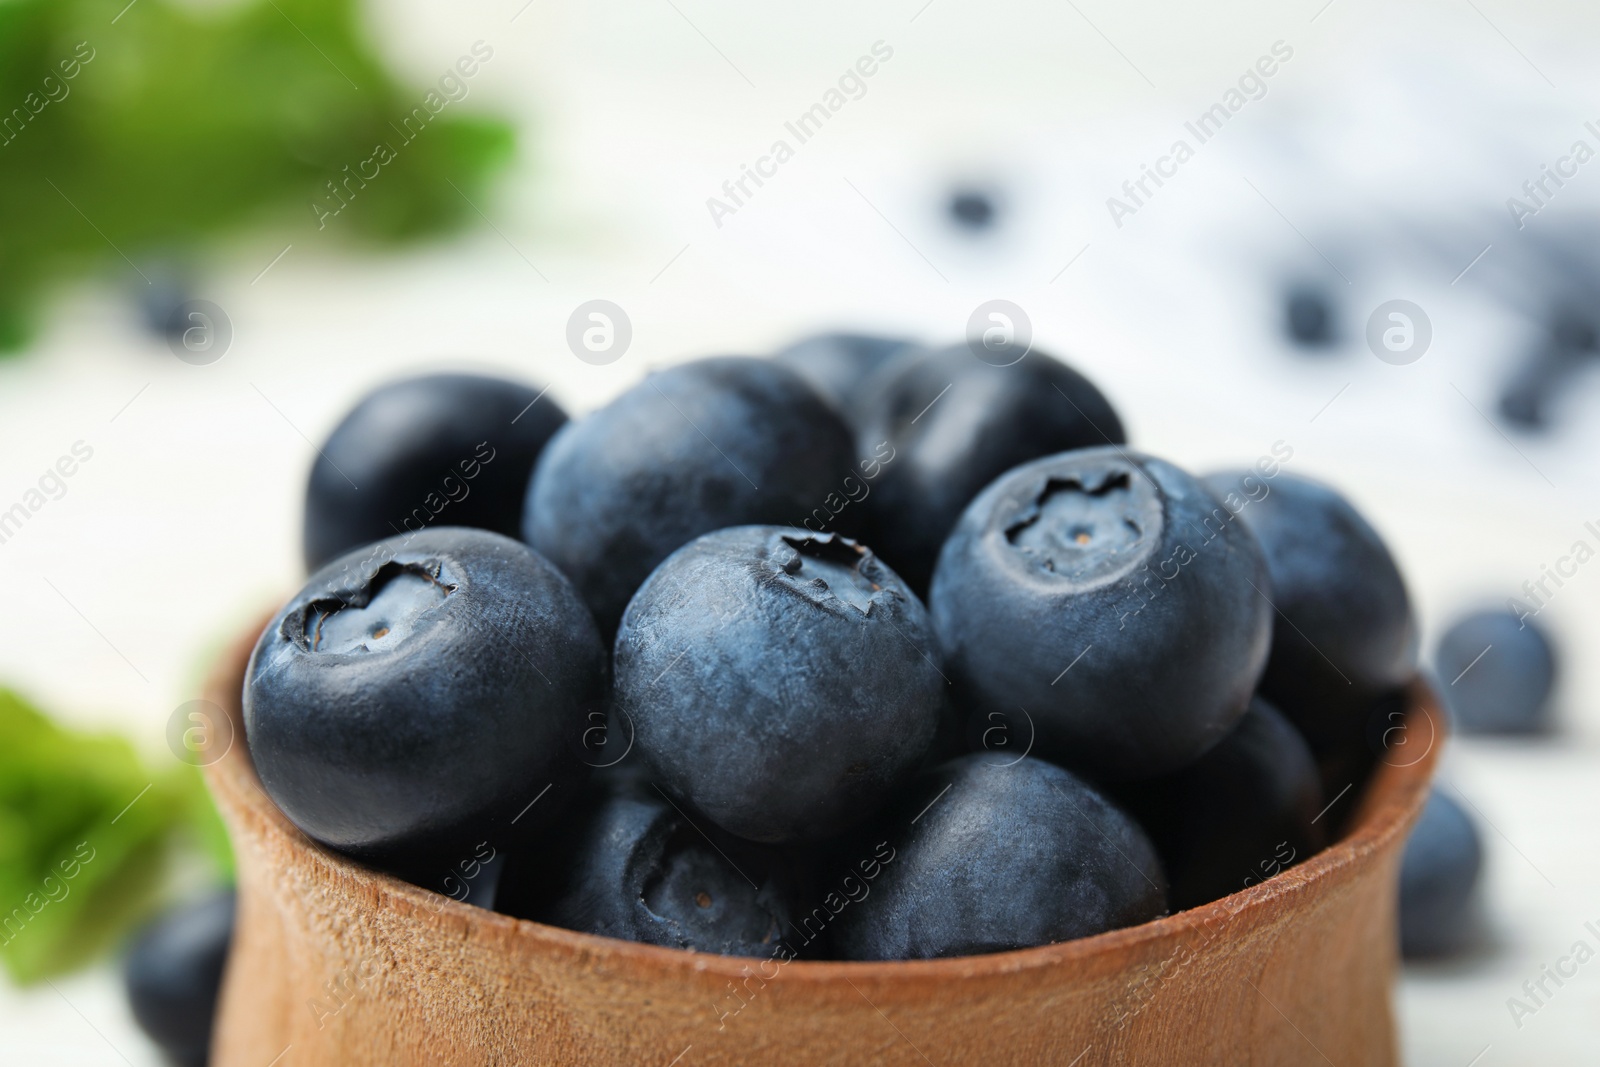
pixel 1438 876
pixel 161 302
pixel 1113 602
pixel 991 854
pixel 1239 814
pixel 444 449
pixel 955 424
pixel 844 367
pixel 1548 373
pixel 1308 317
pixel 972 209
pixel 1574 330
pixel 1343 633
pixel 471 877
pixel 417 694
pixel 173 974
pixel 634 866
pixel 1495 671
pixel 783 683
pixel 695 448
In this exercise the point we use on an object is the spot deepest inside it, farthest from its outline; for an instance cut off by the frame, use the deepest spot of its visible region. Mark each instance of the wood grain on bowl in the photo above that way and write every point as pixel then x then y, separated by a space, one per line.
pixel 334 965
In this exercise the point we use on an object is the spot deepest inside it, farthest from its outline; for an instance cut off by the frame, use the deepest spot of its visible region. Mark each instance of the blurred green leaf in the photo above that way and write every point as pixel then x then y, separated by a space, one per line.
pixel 135 136
pixel 85 827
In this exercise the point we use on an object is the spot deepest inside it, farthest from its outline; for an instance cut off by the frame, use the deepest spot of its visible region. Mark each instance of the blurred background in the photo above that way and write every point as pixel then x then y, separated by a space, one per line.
pixel 221 221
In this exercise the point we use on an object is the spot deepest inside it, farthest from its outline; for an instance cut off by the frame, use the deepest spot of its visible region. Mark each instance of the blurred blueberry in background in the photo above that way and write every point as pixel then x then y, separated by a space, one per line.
pixel 161 301
pixel 1495 673
pixel 972 209
pixel 1308 316
pixel 1438 876
pixel 173 974
pixel 1534 385
pixel 845 368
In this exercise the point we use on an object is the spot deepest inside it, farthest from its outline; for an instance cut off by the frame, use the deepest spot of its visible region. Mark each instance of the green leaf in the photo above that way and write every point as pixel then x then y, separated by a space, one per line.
pixel 145 140
pixel 86 828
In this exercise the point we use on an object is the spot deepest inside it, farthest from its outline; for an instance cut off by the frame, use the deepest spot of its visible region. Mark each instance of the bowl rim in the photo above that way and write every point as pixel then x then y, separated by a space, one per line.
pixel 1390 801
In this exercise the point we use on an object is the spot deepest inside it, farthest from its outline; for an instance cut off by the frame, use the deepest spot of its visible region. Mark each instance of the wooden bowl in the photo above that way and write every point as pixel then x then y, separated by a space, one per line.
pixel 337 965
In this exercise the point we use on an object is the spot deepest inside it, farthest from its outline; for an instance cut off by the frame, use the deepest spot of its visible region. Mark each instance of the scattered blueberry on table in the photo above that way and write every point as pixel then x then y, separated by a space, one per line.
pixel 1495 671
pixel 1571 346
pixel 972 209
pixel 1438 880
pixel 173 975
pixel 161 299
pixel 1308 317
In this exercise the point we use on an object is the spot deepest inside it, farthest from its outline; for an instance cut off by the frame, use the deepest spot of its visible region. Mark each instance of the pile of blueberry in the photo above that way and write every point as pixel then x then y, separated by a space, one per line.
pixel 865 651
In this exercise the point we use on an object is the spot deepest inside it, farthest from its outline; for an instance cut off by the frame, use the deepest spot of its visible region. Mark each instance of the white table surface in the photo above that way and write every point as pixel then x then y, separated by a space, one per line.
pixel 184 524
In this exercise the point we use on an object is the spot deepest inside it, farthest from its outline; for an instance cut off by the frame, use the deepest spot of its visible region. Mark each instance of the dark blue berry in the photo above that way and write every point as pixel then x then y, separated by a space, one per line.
pixel 439 450
pixel 845 368
pixel 1113 602
pixel 1343 633
pixel 1438 877
pixel 692 449
pixel 972 209
pixel 783 683
pixel 636 866
pixel 1308 317
pixel 1495 672
pixel 956 423
pixel 417 694
pixel 990 853
pixel 173 974
pixel 1246 810
pixel 1547 373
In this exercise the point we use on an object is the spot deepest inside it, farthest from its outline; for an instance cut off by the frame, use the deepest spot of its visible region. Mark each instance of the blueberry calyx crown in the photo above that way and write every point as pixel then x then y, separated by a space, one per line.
pixel 1087 527
pixel 375 616
pixel 691 891
pixel 826 565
